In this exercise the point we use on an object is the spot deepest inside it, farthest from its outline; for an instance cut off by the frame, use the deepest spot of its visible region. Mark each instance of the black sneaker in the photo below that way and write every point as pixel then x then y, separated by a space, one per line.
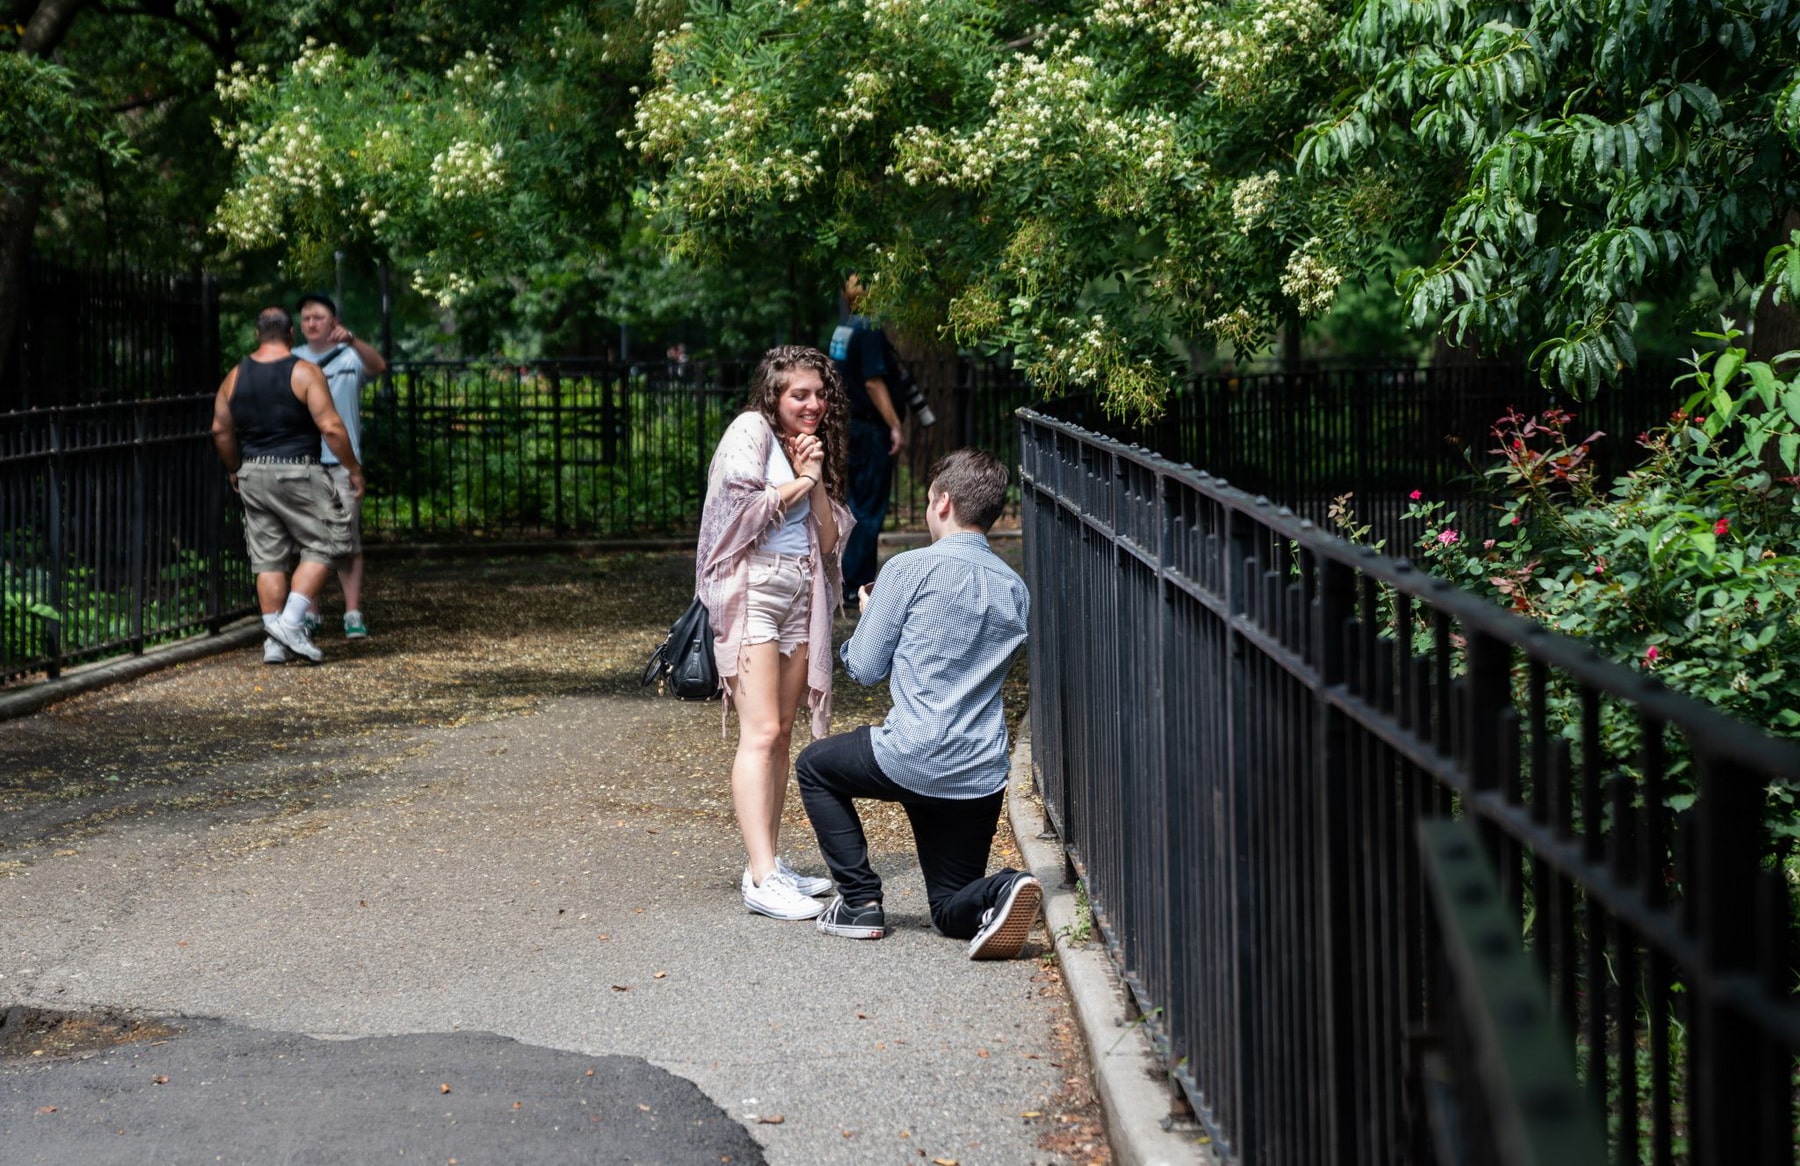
pixel 840 918
pixel 1004 928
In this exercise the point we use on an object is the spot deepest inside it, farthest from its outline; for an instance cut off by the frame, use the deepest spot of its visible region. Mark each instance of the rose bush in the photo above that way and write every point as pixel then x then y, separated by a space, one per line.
pixel 1686 567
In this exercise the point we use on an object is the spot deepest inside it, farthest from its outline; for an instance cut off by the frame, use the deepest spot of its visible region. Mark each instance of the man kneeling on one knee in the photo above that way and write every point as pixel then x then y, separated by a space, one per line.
pixel 943 622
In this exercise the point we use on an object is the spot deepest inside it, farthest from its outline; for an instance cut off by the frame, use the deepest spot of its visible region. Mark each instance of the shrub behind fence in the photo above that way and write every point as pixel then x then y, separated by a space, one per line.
pixel 1239 724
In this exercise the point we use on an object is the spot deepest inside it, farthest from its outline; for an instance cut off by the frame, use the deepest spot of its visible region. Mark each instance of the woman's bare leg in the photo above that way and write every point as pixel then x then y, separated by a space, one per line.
pixel 793 691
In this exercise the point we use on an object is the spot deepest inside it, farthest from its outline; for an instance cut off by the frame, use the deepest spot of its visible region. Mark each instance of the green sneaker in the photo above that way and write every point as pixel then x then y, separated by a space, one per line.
pixel 354 627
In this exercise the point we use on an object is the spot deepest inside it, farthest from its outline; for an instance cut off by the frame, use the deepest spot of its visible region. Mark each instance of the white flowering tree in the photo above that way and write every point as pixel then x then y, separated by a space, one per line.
pixel 1093 186
pixel 480 164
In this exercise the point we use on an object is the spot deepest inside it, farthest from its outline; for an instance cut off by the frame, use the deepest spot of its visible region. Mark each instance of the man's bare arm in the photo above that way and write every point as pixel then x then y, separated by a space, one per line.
pixel 224 429
pixel 884 405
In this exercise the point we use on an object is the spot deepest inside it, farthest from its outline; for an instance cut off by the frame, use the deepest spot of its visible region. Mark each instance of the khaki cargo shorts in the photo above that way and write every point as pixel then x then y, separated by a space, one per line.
pixel 340 477
pixel 292 509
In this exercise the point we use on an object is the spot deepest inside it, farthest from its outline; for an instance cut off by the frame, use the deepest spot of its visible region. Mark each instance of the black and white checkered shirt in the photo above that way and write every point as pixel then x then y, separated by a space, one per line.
pixel 944 621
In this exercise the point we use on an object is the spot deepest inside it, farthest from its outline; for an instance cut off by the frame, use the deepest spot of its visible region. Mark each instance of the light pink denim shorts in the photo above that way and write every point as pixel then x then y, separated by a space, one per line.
pixel 780 600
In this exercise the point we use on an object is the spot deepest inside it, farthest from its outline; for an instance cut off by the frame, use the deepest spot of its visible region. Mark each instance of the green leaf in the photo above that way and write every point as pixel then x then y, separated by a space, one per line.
pixel 1790 450
pixel 1726 367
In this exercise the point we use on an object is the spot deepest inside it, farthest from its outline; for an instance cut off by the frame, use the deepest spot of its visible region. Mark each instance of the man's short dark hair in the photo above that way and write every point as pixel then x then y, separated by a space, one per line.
pixel 273 324
pixel 976 481
pixel 316 298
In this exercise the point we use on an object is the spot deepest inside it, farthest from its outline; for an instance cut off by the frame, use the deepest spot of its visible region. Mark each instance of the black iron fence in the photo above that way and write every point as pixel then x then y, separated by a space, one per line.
pixel 595 448
pixel 113 532
pixel 1307 437
pixel 1239 723
pixel 591 448
pixel 113 332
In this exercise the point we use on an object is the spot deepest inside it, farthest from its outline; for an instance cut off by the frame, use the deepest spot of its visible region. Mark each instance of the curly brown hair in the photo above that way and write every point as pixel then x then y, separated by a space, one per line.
pixel 770 381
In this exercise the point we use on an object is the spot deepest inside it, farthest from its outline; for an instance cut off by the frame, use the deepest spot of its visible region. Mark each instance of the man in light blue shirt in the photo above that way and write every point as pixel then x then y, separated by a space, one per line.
pixel 348 365
pixel 944 622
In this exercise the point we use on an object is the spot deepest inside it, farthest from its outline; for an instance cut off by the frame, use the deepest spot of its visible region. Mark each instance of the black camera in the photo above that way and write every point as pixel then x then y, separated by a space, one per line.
pixel 914 396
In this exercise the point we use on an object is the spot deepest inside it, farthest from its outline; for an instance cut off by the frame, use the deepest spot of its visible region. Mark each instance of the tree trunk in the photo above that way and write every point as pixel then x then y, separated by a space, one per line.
pixel 1776 327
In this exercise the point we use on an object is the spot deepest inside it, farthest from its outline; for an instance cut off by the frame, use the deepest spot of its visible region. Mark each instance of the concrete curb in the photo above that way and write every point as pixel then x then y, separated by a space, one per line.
pixel 28 699
pixel 1128 1076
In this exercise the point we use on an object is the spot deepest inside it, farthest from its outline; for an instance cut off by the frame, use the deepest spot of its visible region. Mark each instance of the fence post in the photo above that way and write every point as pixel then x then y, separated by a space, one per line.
pixel 54 639
pixel 1246 891
pixel 1728 1047
pixel 140 528
pixel 556 449
pixel 212 491
pixel 412 445
pixel 1334 602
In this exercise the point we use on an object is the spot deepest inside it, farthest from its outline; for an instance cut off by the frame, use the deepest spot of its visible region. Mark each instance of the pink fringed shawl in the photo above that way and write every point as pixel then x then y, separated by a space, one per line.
pixel 740 506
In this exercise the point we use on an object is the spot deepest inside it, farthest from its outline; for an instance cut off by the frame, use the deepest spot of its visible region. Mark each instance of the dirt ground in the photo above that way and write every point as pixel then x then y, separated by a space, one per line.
pixel 454 643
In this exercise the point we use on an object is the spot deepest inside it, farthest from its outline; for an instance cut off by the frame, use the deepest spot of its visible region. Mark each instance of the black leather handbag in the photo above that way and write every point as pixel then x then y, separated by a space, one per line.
pixel 685 659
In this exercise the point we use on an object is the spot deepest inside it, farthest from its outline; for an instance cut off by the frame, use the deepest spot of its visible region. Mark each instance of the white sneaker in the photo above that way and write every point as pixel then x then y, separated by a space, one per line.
pixel 274 652
pixel 294 636
pixel 778 898
pixel 805 884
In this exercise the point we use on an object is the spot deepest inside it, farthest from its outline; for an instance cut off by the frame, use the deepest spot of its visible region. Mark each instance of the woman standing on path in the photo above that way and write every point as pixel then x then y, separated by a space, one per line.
pixel 771 537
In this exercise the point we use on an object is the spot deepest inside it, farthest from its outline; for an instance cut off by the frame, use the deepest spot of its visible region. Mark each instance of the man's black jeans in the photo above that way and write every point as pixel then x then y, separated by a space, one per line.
pixel 953 835
pixel 871 482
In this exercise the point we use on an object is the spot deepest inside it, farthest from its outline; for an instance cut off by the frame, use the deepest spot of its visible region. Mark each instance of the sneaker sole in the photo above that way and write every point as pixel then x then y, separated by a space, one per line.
pixel 1017 916
pixel 848 932
pixel 759 909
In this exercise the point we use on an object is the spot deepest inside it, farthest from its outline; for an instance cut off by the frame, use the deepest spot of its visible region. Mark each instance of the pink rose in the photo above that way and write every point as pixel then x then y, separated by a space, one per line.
pixel 1416 495
pixel 1447 537
pixel 1651 653
pixel 1721 526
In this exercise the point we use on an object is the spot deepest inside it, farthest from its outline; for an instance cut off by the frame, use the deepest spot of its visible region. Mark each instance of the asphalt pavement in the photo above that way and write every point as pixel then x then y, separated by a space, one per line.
pixel 510 890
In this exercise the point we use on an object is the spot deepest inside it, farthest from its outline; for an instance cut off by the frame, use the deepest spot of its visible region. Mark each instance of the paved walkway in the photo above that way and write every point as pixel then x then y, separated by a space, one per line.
pixel 475 822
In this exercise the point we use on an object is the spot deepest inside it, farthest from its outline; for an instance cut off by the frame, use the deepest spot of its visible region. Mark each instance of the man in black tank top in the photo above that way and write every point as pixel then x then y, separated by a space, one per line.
pixel 268 419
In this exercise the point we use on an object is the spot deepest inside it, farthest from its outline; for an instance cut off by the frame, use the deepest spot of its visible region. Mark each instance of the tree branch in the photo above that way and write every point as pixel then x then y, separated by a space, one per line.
pixel 47 26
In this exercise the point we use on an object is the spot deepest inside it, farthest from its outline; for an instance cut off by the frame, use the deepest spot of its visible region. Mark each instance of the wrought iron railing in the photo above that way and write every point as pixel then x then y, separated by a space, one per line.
pixel 113 532
pixel 1238 722
pixel 592 448
pixel 110 332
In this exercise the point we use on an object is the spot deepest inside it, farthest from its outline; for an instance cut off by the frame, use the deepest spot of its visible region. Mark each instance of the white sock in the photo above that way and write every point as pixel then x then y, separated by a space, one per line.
pixel 295 611
pixel 269 620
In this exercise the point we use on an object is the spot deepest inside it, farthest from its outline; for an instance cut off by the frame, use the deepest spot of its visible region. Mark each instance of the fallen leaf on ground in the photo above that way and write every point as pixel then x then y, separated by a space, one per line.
pixel 160 1079
pixel 46 1109
pixel 518 1105
pixel 774 1119
pixel 981 1052
pixel 589 1073
pixel 621 987
pixel 944 1162
pixel 1032 1113
pixel 643 1107
pixel 662 975
pixel 444 1088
